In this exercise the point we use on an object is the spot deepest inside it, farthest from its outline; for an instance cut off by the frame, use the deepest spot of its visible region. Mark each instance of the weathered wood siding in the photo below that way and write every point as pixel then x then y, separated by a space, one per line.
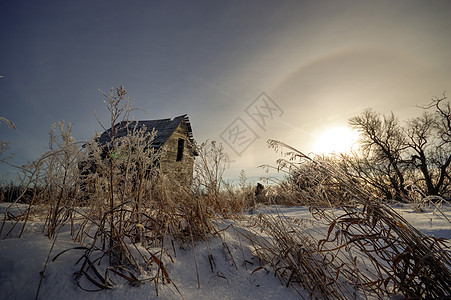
pixel 179 170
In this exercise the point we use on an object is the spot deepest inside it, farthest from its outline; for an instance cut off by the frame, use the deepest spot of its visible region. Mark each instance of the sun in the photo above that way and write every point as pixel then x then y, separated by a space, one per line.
pixel 336 140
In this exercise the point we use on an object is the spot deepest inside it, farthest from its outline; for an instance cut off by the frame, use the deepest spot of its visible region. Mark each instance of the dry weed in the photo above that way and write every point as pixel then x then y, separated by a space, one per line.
pixel 369 247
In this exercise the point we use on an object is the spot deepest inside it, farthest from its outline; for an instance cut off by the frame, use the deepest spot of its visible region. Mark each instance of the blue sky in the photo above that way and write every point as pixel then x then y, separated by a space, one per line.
pixel 321 62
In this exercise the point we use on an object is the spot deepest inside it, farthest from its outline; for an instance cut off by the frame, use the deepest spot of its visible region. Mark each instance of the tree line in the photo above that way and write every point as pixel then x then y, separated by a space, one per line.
pixel 399 160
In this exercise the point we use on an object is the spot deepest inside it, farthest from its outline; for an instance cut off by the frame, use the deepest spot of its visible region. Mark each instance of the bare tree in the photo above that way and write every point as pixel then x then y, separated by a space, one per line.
pixel 393 156
pixel 429 140
pixel 443 118
pixel 365 171
pixel 382 143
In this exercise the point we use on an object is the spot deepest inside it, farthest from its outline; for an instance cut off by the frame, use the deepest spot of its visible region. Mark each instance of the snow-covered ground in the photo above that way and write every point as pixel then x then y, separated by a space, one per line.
pixel 22 260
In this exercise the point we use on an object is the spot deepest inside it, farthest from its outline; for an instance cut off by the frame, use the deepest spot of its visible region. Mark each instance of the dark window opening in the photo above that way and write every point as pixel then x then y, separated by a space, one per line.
pixel 180 147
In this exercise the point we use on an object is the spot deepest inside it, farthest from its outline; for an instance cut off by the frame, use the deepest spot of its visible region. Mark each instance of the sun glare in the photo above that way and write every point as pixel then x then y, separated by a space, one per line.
pixel 336 140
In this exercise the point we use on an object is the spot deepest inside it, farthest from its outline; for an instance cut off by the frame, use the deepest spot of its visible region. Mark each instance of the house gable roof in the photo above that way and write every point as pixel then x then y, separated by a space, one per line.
pixel 164 127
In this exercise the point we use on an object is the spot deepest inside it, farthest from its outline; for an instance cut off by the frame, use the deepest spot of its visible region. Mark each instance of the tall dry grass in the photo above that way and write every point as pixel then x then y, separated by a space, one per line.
pixel 364 246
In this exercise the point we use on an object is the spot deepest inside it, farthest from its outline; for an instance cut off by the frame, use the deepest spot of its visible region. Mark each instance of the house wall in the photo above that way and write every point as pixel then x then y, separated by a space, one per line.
pixel 180 170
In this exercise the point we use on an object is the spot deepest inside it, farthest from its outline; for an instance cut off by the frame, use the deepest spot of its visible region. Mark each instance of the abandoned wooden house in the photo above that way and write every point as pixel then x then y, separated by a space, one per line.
pixel 174 137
